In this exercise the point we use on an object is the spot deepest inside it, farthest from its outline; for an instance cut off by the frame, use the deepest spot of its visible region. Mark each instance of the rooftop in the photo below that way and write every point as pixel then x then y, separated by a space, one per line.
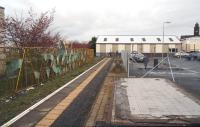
pixel 137 39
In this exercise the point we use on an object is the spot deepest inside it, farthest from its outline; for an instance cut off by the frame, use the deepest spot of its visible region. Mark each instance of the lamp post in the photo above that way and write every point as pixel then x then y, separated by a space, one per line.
pixel 163 40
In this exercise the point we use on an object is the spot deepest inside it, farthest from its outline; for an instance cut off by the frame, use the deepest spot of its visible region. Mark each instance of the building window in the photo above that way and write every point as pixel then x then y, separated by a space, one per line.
pixel 105 39
pixel 171 39
pixel 173 50
pixel 143 39
pixel 132 39
pixel 158 39
pixel 116 39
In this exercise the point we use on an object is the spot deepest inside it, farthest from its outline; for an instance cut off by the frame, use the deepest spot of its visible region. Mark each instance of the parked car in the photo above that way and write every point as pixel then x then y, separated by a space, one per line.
pixel 136 56
pixel 198 56
pixel 194 56
pixel 181 54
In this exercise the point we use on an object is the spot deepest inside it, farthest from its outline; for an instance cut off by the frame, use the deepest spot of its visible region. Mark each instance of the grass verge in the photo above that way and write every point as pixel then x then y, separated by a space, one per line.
pixel 10 109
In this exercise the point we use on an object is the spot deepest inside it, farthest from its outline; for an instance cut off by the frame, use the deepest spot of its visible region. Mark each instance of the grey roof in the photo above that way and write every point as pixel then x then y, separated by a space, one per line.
pixel 137 39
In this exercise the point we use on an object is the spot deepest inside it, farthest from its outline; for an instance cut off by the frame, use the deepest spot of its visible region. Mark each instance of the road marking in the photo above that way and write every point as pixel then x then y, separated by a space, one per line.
pixel 188 69
pixel 10 122
pixel 177 73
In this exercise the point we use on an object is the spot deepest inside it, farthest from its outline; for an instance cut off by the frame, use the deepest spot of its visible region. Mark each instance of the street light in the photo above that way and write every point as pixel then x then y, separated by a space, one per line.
pixel 163 40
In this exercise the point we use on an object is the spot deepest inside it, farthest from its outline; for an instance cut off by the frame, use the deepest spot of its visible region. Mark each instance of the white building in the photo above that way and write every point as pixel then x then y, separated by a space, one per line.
pixel 145 44
pixel 191 44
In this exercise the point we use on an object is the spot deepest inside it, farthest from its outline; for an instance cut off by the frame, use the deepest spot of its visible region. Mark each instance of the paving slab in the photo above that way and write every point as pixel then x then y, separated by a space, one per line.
pixel 154 99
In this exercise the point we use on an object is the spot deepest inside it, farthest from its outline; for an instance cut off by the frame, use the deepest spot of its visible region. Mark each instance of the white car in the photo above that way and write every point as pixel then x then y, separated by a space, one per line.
pixel 136 56
pixel 181 54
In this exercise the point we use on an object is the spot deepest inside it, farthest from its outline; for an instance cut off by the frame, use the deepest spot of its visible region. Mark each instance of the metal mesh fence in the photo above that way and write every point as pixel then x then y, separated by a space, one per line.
pixel 24 67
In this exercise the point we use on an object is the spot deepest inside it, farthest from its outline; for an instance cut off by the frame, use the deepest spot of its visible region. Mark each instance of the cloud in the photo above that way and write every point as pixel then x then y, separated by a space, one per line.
pixel 82 19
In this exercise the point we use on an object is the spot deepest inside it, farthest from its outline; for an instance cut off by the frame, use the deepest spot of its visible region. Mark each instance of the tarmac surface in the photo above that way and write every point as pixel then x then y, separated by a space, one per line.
pixel 186 73
pixel 76 114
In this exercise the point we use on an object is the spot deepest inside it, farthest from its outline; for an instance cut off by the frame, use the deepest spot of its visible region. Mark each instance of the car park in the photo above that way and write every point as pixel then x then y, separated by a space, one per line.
pixel 136 56
pixel 196 55
pixel 193 56
pixel 181 54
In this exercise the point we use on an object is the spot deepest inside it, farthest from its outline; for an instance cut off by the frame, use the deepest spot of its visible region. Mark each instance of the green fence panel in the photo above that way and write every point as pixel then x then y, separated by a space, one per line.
pixel 12 66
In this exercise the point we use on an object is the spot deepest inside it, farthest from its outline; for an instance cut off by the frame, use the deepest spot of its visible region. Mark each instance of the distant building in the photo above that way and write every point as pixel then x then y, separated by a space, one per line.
pixel 191 43
pixel 145 44
pixel 196 33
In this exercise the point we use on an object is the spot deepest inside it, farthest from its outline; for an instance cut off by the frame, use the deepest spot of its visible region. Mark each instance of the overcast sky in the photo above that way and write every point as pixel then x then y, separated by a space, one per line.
pixel 82 19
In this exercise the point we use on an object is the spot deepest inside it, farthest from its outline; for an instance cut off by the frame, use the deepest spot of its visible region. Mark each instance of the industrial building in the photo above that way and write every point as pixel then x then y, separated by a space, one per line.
pixel 148 44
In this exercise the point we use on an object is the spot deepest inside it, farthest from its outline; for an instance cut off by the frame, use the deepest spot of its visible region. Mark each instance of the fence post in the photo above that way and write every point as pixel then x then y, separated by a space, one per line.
pixel 19 74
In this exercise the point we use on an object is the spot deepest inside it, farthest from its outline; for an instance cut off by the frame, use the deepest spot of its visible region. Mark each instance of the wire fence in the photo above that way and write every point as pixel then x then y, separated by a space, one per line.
pixel 24 67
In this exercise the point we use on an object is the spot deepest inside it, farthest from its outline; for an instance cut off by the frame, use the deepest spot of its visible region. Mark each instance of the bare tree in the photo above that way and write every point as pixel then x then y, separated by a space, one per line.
pixel 77 44
pixel 31 31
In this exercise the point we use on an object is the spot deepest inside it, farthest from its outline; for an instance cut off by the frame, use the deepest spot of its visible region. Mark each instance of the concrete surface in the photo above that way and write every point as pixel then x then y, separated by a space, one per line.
pixel 154 98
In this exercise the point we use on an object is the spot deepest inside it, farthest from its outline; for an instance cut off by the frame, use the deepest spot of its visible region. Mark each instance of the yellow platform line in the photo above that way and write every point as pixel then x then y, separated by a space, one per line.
pixel 99 108
pixel 50 118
